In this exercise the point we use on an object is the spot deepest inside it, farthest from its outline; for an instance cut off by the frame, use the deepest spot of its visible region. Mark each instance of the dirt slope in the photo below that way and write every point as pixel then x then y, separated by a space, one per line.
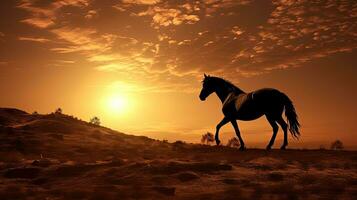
pixel 59 157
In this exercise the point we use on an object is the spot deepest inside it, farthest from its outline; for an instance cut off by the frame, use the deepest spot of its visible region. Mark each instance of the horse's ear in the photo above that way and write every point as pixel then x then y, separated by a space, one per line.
pixel 205 75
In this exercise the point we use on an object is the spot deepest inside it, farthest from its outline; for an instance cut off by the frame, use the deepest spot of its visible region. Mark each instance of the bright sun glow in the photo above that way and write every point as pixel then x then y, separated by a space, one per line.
pixel 117 104
pixel 118 101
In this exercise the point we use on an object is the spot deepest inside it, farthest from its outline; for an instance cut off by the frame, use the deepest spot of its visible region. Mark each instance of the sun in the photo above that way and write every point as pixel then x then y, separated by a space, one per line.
pixel 117 104
pixel 118 101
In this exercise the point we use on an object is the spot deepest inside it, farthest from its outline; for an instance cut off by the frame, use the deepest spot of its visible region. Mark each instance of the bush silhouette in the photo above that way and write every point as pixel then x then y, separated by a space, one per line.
pixel 337 145
pixel 95 121
pixel 233 142
pixel 58 111
pixel 207 138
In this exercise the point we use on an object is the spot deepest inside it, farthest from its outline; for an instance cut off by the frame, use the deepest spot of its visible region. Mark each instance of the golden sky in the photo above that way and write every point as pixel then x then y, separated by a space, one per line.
pixel 137 64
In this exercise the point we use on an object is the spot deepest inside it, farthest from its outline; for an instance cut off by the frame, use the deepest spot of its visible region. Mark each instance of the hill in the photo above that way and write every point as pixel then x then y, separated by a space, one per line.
pixel 56 156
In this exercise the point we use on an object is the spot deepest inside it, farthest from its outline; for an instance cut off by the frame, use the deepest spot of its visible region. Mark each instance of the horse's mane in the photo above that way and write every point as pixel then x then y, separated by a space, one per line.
pixel 228 84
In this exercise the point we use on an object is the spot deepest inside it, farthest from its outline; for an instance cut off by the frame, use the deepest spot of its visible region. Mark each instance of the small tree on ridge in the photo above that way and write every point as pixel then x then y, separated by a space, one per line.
pixel 58 111
pixel 95 121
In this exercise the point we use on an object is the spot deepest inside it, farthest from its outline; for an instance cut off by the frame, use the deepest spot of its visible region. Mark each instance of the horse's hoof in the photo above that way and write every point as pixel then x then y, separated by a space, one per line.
pixel 218 142
pixel 283 148
pixel 268 148
pixel 242 148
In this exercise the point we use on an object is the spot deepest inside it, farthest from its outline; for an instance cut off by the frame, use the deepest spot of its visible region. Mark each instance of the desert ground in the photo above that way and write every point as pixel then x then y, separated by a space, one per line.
pixel 57 156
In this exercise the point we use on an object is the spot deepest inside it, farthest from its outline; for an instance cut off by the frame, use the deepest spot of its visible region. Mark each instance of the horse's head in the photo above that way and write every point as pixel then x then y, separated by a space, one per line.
pixel 207 87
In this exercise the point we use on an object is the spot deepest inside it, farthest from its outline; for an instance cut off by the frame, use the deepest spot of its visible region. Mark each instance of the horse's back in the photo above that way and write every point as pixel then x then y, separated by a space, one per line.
pixel 266 94
pixel 250 106
pixel 245 108
pixel 268 99
pixel 266 91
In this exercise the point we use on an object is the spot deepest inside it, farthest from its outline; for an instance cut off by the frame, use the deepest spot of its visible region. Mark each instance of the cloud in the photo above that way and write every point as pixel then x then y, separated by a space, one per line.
pixel 297 32
pixel 144 2
pixel 174 42
pixel 292 34
pixel 119 7
pixel 66 61
pixel 32 39
pixel 112 67
pixel 91 14
pixel 83 40
pixel 122 63
pixel 102 58
pixel 44 15
pixel 39 22
pixel 169 16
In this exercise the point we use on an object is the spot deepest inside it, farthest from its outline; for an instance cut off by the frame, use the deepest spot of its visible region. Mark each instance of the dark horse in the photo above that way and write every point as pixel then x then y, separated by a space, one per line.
pixel 238 105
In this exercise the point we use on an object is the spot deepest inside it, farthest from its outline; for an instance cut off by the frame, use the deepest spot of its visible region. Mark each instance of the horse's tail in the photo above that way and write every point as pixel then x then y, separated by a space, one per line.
pixel 292 117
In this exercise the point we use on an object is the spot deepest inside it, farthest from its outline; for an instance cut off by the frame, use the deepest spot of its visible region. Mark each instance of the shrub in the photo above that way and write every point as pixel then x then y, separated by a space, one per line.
pixel 207 138
pixel 337 145
pixel 233 142
pixel 95 121
pixel 58 111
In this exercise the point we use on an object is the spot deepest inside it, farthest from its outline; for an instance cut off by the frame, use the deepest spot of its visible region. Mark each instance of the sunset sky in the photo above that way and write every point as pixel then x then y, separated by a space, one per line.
pixel 138 64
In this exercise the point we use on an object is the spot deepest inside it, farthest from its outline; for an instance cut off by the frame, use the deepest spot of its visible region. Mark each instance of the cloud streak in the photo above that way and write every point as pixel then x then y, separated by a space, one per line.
pixel 83 40
pixel 32 39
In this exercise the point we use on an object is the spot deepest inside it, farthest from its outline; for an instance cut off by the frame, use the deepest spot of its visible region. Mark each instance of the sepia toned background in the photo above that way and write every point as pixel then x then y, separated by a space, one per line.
pixel 138 64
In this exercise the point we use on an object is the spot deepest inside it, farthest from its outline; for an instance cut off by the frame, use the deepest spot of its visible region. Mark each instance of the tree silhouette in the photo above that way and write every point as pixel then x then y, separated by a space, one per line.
pixel 233 142
pixel 337 145
pixel 207 138
pixel 95 121
pixel 58 111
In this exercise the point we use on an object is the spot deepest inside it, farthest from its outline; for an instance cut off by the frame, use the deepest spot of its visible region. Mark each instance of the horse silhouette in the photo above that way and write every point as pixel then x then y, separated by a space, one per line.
pixel 238 105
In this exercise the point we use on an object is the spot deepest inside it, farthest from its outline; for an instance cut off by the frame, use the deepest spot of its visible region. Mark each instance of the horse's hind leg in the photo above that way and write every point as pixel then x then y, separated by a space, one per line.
pixel 275 131
pixel 284 126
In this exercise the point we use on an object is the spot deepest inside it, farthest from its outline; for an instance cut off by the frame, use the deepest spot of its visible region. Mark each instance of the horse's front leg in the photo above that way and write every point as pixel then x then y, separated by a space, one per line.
pixel 236 129
pixel 219 125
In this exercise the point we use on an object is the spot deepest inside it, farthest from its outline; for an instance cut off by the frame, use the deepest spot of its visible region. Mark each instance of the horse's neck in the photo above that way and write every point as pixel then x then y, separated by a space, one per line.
pixel 224 92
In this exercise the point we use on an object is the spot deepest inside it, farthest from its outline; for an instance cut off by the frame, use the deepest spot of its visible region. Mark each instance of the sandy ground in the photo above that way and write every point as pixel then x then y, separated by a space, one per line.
pixel 59 157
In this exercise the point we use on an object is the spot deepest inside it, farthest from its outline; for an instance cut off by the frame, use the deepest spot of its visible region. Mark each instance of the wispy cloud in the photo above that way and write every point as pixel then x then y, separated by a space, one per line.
pixel 45 15
pixel 83 40
pixel 144 2
pixel 34 39
pixel 66 61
